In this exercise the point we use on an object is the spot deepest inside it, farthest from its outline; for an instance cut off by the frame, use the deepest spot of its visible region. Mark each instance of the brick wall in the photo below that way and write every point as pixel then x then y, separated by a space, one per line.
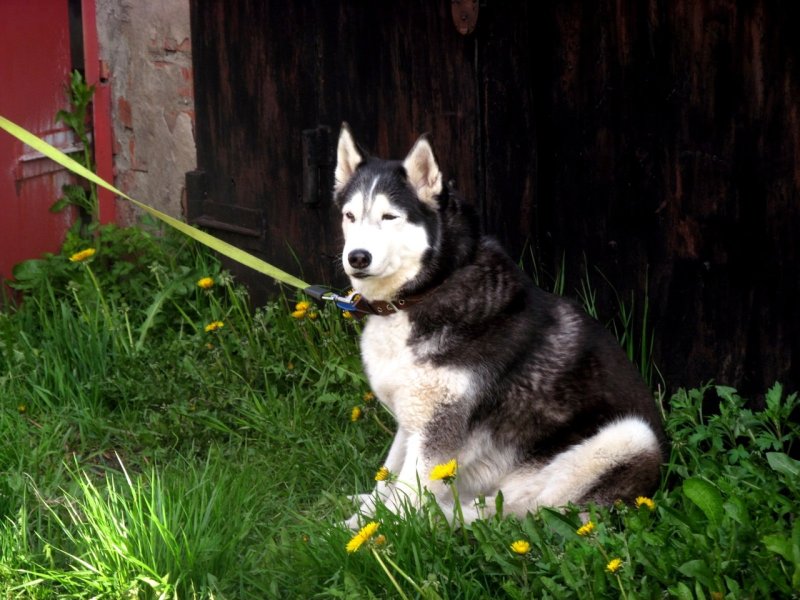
pixel 147 47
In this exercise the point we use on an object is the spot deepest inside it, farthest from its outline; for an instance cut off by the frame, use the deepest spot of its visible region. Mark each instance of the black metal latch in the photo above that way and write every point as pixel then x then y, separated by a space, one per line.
pixel 317 165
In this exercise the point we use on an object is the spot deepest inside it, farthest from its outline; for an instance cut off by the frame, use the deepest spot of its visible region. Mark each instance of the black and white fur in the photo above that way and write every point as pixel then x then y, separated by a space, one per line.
pixel 532 397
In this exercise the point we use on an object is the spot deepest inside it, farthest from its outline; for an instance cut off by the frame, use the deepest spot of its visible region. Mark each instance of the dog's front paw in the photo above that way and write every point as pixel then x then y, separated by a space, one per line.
pixel 359 499
pixel 353 522
pixel 365 508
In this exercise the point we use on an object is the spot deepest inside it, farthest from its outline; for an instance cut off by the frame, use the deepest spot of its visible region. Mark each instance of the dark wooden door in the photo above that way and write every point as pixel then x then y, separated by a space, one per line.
pixel 655 141
pixel 274 81
pixel 667 141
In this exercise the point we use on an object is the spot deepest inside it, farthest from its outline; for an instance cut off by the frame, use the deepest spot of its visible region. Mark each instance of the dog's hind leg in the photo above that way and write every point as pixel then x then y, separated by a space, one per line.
pixel 620 461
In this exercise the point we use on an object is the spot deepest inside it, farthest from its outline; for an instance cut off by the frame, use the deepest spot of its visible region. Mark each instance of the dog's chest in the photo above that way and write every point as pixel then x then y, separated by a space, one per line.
pixel 402 378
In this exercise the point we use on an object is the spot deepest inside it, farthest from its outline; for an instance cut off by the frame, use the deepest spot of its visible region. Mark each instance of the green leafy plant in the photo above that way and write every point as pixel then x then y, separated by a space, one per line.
pixel 80 97
pixel 142 455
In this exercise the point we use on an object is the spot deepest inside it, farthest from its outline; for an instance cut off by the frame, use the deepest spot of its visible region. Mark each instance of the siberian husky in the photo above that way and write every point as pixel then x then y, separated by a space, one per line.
pixel 532 397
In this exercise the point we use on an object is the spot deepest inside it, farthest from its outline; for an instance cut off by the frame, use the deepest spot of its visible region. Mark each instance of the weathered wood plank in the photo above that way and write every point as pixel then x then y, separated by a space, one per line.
pixel 656 140
pixel 268 70
pixel 667 135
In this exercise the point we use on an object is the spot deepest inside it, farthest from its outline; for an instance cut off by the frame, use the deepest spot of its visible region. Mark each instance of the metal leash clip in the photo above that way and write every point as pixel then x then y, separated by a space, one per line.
pixel 320 294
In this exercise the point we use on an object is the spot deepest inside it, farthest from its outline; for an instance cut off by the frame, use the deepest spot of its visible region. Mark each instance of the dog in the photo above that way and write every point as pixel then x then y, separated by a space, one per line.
pixel 534 399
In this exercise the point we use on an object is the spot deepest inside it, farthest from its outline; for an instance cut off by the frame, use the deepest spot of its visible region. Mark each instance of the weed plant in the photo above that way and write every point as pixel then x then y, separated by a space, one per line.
pixel 79 94
pixel 159 439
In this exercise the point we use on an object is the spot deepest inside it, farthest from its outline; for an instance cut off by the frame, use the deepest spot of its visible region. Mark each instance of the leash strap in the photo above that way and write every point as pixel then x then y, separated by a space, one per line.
pixel 212 242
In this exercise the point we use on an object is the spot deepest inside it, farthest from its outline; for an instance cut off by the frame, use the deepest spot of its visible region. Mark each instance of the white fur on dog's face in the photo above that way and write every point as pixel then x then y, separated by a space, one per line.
pixel 372 223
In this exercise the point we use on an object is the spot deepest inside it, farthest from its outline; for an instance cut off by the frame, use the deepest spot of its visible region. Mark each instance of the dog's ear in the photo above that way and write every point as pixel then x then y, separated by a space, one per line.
pixel 423 172
pixel 347 158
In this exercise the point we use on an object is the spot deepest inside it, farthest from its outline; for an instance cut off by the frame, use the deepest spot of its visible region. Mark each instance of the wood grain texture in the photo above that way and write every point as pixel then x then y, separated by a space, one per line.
pixel 268 70
pixel 668 146
pixel 656 140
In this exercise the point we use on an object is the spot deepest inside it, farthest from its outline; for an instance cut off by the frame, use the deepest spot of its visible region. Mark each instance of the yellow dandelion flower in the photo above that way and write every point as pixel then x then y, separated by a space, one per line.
pixel 645 501
pixel 312 315
pixel 363 536
pixel 445 471
pixel 521 547
pixel 383 474
pixel 214 325
pixel 22 408
pixel 303 305
pixel 380 540
pixel 355 414
pixel 299 314
pixel 205 283
pixel 614 565
pixel 347 314
pixel 368 397
pixel 586 529
pixel 83 255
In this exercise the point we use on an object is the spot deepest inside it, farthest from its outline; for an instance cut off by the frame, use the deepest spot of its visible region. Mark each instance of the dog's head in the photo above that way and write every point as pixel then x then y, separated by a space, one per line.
pixel 389 211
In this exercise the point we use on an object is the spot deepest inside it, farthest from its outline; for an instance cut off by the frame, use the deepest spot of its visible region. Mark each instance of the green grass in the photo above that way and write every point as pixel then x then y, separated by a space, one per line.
pixel 143 457
pixel 630 323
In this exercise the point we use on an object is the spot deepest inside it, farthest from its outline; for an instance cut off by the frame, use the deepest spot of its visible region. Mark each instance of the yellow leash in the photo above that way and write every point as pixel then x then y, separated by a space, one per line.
pixel 220 246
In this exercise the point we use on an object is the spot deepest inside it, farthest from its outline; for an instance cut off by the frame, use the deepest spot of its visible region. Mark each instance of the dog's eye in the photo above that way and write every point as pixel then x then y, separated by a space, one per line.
pixel 349 216
pixel 389 217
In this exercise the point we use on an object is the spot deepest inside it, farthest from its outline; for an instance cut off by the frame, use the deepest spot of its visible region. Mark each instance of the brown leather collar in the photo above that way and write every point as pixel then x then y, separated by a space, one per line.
pixel 381 308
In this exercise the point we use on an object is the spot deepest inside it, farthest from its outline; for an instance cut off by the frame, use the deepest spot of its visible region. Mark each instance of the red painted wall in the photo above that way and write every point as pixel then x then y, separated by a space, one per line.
pixel 35 46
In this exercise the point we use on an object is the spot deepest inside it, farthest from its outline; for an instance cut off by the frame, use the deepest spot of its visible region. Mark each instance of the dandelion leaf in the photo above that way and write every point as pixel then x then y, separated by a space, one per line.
pixel 559 523
pixel 787 548
pixel 784 464
pixel 706 497
pixel 682 591
pixel 29 269
pixel 736 509
pixel 779 544
pixel 699 570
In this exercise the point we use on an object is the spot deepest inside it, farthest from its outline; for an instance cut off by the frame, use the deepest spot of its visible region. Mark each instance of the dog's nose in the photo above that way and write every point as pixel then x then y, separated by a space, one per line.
pixel 359 259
